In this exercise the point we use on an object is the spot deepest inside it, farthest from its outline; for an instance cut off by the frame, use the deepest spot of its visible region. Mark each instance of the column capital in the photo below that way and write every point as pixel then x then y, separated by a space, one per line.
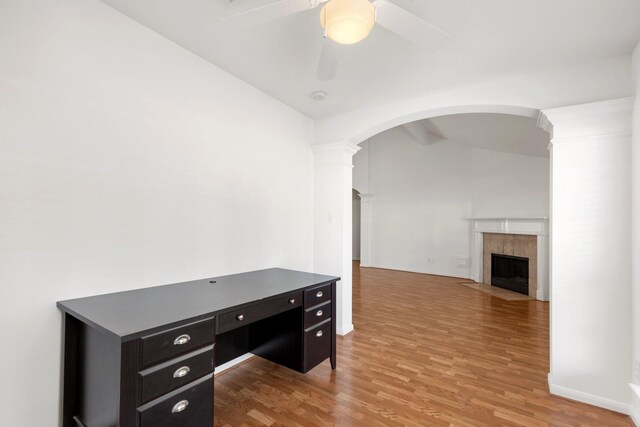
pixel 544 123
pixel 593 120
pixel 339 152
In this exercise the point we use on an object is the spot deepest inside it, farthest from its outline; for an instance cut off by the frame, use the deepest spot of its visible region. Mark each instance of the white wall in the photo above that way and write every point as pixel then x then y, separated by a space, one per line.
pixel 422 195
pixel 509 185
pixel 362 168
pixel 635 224
pixel 590 264
pixel 125 162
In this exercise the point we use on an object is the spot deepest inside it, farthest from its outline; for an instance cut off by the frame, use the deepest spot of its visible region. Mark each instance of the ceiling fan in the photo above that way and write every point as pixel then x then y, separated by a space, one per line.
pixel 347 22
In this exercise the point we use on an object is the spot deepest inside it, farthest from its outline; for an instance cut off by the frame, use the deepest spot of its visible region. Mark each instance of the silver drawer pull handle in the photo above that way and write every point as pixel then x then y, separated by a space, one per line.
pixel 181 372
pixel 292 301
pixel 182 339
pixel 319 294
pixel 240 317
pixel 319 333
pixel 319 313
pixel 180 406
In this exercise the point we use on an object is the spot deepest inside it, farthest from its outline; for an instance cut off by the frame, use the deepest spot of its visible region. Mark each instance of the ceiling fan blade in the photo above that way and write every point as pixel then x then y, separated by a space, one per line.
pixel 329 60
pixel 267 12
pixel 409 26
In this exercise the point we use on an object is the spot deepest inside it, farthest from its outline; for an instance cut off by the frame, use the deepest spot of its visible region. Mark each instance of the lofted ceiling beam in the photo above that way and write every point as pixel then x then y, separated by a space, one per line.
pixel 420 133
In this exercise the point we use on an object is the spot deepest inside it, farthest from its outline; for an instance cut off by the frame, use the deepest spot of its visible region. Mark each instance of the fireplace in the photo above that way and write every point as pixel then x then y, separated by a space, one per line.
pixel 526 238
pixel 510 272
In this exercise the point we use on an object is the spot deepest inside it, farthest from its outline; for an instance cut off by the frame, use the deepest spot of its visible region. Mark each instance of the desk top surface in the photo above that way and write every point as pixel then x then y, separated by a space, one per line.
pixel 130 313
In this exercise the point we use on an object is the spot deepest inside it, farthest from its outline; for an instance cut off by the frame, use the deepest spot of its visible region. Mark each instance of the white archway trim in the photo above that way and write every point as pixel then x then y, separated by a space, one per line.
pixel 542 89
pixel 444 111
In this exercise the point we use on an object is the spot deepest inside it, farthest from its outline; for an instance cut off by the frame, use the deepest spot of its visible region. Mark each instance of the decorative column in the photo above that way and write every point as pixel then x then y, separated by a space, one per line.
pixel 635 244
pixel 591 308
pixel 366 210
pixel 333 221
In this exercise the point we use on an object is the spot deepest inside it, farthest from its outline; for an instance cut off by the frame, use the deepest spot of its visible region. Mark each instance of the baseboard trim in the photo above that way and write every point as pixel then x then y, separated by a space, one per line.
pixel 634 408
pixel 235 362
pixel 452 276
pixel 634 413
pixel 346 331
pixel 540 295
pixel 583 397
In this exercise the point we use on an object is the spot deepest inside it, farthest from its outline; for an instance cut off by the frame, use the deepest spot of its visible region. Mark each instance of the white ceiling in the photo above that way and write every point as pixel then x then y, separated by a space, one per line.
pixel 488 37
pixel 497 132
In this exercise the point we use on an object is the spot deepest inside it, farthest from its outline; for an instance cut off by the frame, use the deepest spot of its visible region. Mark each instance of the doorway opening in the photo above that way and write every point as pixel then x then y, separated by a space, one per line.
pixel 356 225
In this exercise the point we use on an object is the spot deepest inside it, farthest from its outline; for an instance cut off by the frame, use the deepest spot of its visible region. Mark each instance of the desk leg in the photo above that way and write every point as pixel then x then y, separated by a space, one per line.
pixel 70 331
pixel 333 325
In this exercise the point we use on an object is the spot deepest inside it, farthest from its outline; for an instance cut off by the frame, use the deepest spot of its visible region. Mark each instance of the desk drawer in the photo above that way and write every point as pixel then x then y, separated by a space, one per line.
pixel 258 311
pixel 317 345
pixel 176 341
pixel 189 406
pixel 175 373
pixel 317 314
pixel 315 296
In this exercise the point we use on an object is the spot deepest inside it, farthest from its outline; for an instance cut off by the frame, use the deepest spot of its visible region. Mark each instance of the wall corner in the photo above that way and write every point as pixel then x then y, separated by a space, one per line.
pixel 634 409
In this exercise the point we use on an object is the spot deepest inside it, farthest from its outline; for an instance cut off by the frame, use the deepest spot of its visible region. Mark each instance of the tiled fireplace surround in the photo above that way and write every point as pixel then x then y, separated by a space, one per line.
pixel 522 237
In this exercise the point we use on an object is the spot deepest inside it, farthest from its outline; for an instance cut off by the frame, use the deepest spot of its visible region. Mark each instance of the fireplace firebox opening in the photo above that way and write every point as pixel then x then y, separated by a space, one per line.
pixel 510 272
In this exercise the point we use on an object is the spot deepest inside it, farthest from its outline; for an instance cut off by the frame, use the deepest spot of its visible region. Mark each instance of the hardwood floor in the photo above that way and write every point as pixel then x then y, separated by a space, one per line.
pixel 496 291
pixel 434 354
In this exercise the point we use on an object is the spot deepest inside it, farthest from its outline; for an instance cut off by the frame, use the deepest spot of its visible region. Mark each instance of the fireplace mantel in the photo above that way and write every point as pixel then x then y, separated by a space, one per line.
pixel 534 226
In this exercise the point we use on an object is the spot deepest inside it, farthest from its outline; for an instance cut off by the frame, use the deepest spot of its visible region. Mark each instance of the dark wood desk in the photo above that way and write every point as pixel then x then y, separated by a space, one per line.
pixel 145 358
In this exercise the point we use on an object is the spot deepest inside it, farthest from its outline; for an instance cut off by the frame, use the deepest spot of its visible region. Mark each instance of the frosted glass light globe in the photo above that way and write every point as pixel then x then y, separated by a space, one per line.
pixel 348 21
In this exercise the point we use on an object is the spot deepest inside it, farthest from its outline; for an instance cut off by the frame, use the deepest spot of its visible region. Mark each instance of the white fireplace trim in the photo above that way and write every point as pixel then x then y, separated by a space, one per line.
pixel 529 226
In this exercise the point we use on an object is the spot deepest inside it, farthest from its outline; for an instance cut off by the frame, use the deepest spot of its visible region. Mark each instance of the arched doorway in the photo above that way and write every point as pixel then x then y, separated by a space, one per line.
pixel 370 129
pixel 437 186
pixel 338 141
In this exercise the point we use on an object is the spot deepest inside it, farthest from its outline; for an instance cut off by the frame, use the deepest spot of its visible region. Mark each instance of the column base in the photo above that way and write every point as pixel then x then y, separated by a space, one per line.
pixel 634 410
pixel 342 331
pixel 591 399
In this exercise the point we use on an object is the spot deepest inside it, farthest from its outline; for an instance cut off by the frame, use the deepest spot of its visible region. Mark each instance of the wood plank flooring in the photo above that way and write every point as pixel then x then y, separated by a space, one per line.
pixel 496 291
pixel 426 352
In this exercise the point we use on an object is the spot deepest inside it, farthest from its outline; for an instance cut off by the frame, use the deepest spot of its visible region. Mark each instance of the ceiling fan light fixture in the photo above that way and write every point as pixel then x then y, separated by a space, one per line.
pixel 348 21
